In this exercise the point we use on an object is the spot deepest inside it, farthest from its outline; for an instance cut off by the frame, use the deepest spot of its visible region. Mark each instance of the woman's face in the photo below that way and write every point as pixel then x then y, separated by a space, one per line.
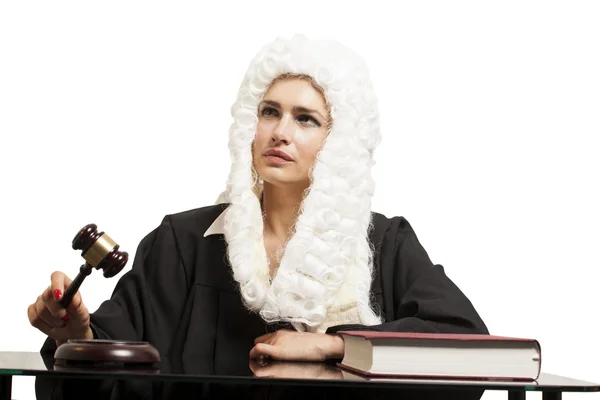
pixel 292 126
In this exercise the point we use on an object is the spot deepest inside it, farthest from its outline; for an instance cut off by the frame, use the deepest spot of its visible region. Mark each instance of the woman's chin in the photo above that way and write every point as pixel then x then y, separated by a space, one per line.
pixel 284 181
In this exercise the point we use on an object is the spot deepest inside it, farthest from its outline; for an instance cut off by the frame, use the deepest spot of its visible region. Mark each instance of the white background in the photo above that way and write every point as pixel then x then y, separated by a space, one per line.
pixel 117 113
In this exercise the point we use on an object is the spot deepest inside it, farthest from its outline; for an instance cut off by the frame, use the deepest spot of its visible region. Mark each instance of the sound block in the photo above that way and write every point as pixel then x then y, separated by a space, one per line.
pixel 112 354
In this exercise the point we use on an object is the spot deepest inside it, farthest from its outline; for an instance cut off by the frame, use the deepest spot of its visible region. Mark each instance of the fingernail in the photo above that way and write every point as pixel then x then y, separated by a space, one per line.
pixel 66 318
pixel 57 294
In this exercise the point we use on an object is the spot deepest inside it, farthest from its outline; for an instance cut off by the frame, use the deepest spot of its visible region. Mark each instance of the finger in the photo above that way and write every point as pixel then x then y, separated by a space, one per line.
pixel 262 349
pixel 255 353
pixel 45 314
pixel 255 366
pixel 53 306
pixel 273 336
pixel 47 295
pixel 58 284
pixel 40 318
pixel 266 369
pixel 262 372
pixel 35 320
pixel 263 338
pixel 263 361
pixel 78 311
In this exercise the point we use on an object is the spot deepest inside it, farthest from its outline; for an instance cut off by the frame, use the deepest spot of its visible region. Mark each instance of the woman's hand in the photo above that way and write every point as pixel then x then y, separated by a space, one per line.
pixel 51 318
pixel 290 345
pixel 294 369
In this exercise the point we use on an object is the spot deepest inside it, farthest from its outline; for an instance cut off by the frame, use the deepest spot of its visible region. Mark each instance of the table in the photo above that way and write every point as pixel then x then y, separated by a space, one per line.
pixel 276 374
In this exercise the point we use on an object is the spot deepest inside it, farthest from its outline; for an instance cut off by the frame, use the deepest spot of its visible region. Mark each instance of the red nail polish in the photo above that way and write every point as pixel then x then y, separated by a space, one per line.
pixel 57 294
pixel 66 318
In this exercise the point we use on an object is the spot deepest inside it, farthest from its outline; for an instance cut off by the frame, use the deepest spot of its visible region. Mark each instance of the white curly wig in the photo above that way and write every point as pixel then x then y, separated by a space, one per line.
pixel 325 273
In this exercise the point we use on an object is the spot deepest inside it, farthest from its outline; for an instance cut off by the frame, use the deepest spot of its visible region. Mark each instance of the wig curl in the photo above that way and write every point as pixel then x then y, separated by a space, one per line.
pixel 325 272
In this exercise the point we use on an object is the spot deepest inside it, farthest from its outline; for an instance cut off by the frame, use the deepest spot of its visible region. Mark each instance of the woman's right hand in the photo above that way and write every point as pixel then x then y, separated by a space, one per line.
pixel 59 323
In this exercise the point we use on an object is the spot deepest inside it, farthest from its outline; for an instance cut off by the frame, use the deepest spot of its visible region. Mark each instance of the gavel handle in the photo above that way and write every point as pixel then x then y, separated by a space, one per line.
pixel 84 271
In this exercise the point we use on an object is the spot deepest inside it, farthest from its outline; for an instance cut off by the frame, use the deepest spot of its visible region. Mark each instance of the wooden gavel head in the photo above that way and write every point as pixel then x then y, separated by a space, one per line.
pixel 99 250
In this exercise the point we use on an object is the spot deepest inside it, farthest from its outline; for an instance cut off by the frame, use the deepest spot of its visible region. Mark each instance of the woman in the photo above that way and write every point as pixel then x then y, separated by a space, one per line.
pixel 292 252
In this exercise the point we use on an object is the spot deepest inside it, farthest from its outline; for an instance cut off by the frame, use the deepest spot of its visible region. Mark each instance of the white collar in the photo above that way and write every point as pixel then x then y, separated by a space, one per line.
pixel 217 227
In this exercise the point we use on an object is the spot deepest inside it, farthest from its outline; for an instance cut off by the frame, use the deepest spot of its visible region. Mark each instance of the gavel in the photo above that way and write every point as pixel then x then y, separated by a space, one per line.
pixel 100 252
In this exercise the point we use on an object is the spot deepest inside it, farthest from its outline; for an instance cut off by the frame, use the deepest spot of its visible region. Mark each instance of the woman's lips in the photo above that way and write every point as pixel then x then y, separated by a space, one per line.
pixel 278 156
pixel 277 159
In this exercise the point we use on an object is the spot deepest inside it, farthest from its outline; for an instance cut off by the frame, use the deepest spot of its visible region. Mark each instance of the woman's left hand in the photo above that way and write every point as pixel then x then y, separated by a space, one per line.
pixel 298 346
pixel 294 369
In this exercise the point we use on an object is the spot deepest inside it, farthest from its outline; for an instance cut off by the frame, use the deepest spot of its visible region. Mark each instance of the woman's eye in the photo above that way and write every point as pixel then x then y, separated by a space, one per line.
pixel 269 112
pixel 308 120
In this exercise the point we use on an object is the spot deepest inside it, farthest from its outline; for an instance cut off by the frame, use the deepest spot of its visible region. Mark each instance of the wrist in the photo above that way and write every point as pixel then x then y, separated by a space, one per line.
pixel 336 348
pixel 89 334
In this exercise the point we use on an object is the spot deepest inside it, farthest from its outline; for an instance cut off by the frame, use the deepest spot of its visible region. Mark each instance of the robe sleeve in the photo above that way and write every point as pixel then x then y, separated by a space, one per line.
pixel 423 298
pixel 146 305
pixel 148 301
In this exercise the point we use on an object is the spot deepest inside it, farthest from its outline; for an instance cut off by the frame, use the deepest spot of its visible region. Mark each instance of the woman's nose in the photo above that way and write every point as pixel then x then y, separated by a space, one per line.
pixel 283 130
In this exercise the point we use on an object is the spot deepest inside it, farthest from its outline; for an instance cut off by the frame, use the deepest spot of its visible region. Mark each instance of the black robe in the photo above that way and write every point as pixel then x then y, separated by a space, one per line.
pixel 181 297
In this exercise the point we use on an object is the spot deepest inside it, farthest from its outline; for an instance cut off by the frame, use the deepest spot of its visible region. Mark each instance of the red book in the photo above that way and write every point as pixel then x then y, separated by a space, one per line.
pixel 441 355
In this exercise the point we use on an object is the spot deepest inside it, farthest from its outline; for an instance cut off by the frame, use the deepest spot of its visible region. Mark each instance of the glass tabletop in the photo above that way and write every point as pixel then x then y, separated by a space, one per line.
pixel 274 373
